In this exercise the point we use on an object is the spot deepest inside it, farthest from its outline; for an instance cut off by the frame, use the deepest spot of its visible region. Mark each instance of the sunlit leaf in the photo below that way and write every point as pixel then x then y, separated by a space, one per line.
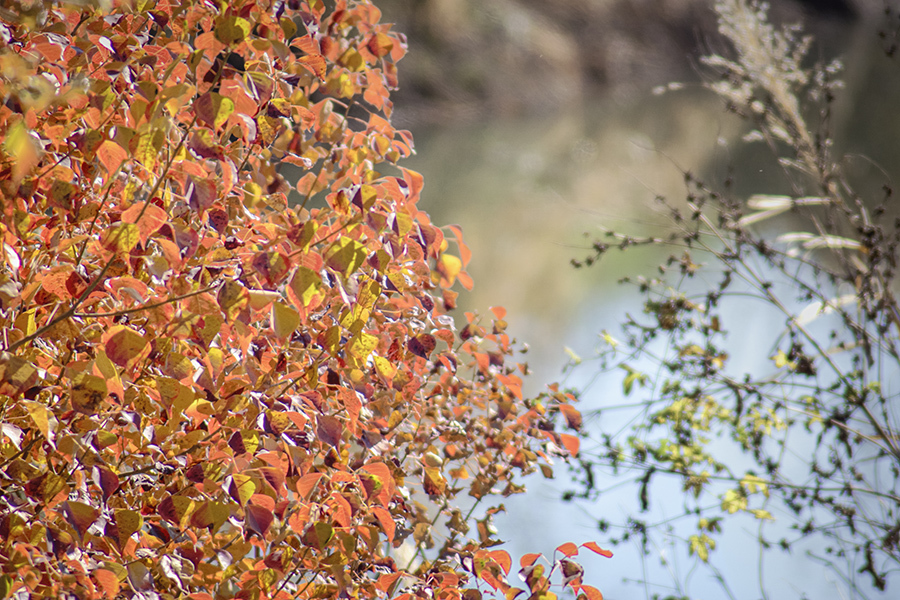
pixel 111 155
pixel 80 516
pixel 570 443
pixel 285 320
pixel 16 375
pixel 125 346
pixel 108 582
pixel 231 30
pixel 346 256
pixel 213 109
pixel 593 547
pixel 258 519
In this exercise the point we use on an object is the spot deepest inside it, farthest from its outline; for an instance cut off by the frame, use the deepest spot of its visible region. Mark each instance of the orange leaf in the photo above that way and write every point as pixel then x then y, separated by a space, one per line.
pixel 573 417
pixel 386 520
pixel 595 548
pixel 501 557
pixel 111 155
pixel 148 218
pixel 569 549
pixel 315 63
pixel 307 483
pixel 590 593
pixel 528 560
pixel 108 581
pixel 125 346
pixel 571 443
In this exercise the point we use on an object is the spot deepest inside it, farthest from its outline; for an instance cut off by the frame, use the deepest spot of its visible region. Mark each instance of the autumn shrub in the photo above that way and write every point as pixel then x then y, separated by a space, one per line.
pixel 229 366
pixel 809 437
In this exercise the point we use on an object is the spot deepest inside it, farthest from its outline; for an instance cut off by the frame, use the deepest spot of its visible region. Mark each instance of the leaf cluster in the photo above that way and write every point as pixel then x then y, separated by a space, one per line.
pixel 215 382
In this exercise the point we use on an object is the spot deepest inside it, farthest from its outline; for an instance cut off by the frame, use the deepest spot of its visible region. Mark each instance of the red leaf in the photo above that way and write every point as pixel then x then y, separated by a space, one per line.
pixel 236 443
pixel 213 109
pixel 258 519
pixel 80 516
pixel 421 345
pixel 106 480
pixel 329 430
pixel 595 548
pixel 124 346
pixel 569 549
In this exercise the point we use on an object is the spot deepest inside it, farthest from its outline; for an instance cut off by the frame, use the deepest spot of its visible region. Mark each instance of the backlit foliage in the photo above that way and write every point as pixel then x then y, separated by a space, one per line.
pixel 217 382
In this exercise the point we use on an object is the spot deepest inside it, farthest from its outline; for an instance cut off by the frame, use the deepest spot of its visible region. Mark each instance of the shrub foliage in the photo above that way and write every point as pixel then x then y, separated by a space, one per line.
pixel 220 383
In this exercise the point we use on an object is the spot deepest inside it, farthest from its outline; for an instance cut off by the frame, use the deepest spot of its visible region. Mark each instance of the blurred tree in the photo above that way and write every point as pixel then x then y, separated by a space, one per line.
pixel 814 439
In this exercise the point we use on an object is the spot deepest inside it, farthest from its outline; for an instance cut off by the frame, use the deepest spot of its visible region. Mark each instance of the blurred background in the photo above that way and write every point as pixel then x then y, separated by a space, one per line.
pixel 536 124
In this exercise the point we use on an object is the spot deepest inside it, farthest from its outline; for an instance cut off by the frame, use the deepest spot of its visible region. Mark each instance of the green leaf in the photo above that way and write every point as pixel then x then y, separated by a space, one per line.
pixel 573 356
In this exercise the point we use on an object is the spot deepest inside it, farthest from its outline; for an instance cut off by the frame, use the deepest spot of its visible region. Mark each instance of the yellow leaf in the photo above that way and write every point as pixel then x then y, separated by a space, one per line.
pixel 43 418
pixel 244 487
pixel 128 523
pixel 88 393
pixel 260 299
pixel 23 148
pixel 449 267
pixel 121 238
pixel 361 346
pixel 285 320
pixel 305 285
pixel 346 256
